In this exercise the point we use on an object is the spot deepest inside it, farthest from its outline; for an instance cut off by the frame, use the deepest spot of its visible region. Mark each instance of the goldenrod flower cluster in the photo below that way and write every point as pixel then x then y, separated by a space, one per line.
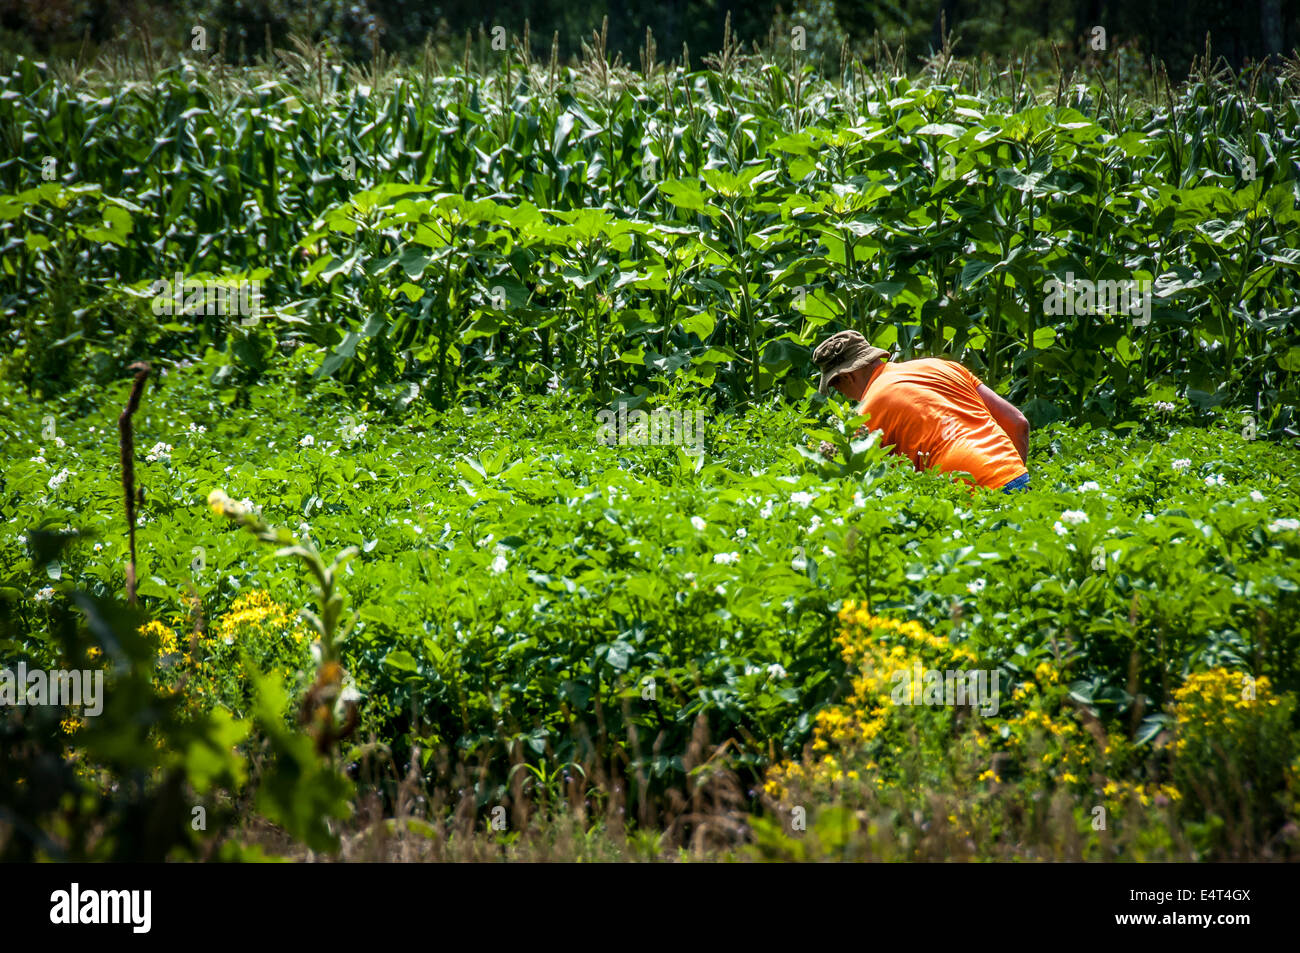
pixel 163 636
pixel 1052 746
pixel 1231 700
pixel 850 737
pixel 1227 728
pixel 1233 727
pixel 211 669
pixel 1116 794
pixel 255 614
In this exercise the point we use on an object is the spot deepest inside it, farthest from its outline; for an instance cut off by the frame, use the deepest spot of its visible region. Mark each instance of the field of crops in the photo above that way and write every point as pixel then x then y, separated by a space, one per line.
pixel 541 643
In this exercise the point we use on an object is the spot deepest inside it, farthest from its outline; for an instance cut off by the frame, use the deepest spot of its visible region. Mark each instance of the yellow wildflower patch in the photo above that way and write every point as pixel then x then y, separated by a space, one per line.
pixel 873 648
pixel 163 636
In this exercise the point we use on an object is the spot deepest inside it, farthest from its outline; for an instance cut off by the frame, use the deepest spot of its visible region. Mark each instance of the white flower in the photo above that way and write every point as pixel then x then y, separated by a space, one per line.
pixel 58 442
pixel 1074 517
pixel 741 533
pixel 838 521
pixel 38 459
pixel 815 524
pixel 1060 530
pixel 1181 464
pixel 802 498
pixel 1164 407
pixel 1257 496
pixel 307 441
pixel 1215 479
pixel 975 587
pixel 159 451
pixel 698 523
pixel 726 559
pixel 59 479
pixel 1089 485
pixel 775 670
pixel 1148 518
pixel 720 590
pixel 766 512
pixel 827 552
pixel 859 500
pixel 197 428
pixel 1278 526
pixel 688 576
pixel 499 565
pixel 956 534
pixel 44 595
pixel 99 547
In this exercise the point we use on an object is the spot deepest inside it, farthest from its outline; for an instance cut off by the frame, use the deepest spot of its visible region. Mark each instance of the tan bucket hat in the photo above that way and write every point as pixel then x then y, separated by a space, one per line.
pixel 842 352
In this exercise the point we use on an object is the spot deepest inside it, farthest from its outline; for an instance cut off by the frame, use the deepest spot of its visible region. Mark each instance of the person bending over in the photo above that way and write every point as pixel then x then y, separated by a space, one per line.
pixel 932 411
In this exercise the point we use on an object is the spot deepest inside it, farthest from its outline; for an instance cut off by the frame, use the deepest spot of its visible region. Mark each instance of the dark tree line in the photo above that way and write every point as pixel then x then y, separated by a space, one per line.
pixel 1171 30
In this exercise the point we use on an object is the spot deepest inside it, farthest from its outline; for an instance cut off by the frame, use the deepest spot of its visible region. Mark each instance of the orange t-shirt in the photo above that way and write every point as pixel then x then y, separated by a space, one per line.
pixel 932 405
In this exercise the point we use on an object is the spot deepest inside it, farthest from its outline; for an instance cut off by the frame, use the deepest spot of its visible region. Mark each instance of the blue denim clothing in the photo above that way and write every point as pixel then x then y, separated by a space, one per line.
pixel 1019 483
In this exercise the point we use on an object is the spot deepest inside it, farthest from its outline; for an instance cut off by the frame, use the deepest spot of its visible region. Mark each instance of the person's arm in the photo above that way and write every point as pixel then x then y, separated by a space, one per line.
pixel 1009 418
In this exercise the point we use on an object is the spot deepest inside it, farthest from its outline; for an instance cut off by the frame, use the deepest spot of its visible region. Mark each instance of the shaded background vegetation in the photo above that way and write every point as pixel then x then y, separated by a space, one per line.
pixel 1171 30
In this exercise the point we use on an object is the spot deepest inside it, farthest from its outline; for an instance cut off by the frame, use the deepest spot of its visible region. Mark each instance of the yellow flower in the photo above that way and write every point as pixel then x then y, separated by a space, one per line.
pixel 162 634
pixel 254 610
pixel 1045 673
pixel 875 649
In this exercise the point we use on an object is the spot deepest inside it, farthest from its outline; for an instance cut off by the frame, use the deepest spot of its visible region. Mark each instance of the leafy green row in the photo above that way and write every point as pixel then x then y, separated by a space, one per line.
pixel 449 231
pixel 523 587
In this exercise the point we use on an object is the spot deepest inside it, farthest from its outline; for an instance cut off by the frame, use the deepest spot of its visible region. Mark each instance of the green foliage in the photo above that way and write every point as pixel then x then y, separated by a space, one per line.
pixel 141 767
pixel 150 776
pixel 464 268
pixel 525 592
pixel 431 235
